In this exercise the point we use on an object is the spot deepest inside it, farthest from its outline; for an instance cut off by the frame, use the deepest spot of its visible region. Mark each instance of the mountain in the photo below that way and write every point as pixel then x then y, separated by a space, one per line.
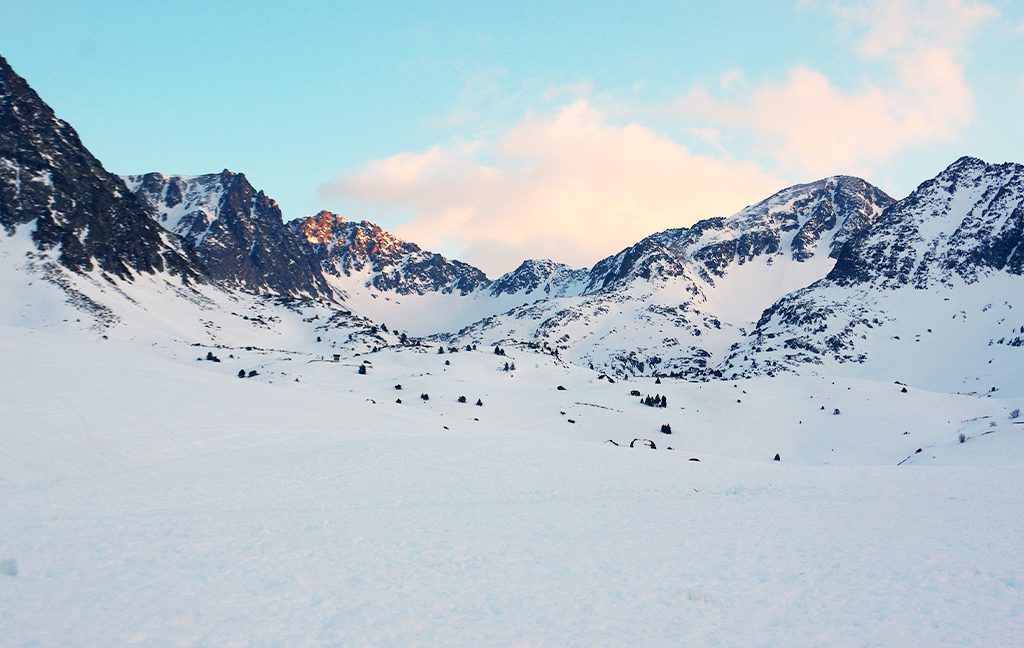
pixel 363 254
pixel 797 224
pixel 935 282
pixel 237 232
pixel 676 301
pixel 75 207
pixel 541 278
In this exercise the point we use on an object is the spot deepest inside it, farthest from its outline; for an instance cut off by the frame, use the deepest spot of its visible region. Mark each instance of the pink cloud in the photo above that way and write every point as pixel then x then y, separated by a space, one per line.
pixel 915 91
pixel 568 185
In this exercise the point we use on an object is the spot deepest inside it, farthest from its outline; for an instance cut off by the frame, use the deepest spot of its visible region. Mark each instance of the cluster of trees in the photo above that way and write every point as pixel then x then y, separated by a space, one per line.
pixel 509 367
pixel 655 401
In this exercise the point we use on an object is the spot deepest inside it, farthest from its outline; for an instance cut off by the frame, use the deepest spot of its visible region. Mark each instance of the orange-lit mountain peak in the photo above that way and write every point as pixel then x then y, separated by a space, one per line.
pixel 319 228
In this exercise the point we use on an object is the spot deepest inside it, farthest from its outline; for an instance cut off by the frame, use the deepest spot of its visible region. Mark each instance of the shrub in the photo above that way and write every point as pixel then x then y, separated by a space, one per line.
pixel 241 373
pixel 425 397
pixel 962 437
pixel 666 428
pixel 462 399
pixel 362 370
pixel 1015 414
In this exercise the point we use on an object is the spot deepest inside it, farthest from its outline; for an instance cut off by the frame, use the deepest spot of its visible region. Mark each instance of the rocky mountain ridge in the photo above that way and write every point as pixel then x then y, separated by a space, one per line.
pixel 78 209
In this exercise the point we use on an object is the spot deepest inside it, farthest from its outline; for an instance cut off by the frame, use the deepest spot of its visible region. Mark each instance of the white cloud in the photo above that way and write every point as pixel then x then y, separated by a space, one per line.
pixel 567 185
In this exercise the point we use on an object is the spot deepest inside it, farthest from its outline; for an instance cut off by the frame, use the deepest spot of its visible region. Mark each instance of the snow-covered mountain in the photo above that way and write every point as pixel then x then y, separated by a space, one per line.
pixel 930 293
pixel 541 278
pixel 677 300
pixel 235 231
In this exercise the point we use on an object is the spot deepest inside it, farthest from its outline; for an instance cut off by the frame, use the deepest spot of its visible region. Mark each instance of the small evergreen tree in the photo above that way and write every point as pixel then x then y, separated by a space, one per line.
pixel 362 370
pixel 479 403
pixel 241 373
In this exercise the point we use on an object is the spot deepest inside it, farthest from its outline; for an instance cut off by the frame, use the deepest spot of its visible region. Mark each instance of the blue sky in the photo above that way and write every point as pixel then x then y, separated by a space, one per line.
pixel 500 131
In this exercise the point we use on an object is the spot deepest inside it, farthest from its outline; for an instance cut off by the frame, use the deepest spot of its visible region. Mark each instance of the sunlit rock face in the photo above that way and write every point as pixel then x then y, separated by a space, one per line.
pixel 348 248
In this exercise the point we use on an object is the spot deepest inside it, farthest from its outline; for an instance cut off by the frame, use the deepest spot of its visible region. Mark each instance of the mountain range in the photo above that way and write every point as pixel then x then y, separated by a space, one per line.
pixel 832 274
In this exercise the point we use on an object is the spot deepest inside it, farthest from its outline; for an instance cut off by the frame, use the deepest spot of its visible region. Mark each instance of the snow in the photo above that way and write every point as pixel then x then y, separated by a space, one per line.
pixel 152 499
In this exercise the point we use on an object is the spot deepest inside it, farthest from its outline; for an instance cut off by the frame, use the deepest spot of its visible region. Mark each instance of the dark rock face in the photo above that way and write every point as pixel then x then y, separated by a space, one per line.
pixel 391 264
pixel 966 222
pixel 236 231
pixel 47 177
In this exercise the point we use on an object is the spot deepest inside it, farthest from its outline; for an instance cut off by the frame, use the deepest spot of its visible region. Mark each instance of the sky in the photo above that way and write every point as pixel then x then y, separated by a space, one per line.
pixel 495 132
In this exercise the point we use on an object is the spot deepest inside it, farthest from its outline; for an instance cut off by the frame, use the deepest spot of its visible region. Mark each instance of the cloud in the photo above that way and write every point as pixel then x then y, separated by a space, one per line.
pixel 915 91
pixel 567 185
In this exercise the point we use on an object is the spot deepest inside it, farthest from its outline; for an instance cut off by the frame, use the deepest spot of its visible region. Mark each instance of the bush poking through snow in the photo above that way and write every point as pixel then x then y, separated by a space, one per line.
pixel 8 567
pixel 1015 414
pixel 666 428
pixel 425 396
pixel 963 438
pixel 362 370
pixel 462 399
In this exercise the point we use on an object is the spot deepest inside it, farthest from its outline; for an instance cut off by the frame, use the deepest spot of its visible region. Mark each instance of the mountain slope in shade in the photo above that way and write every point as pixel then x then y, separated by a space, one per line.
pixel 676 301
pixel 50 180
pixel 936 282
pixel 236 231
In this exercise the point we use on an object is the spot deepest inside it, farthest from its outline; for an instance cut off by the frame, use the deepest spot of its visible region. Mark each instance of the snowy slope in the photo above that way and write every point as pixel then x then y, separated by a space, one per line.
pixel 320 511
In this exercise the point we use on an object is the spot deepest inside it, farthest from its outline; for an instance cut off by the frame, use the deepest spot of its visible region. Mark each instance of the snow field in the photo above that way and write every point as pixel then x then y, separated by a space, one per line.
pixel 150 499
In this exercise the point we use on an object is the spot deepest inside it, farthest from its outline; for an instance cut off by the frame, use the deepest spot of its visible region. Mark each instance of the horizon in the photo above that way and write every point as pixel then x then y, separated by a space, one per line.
pixel 449 126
